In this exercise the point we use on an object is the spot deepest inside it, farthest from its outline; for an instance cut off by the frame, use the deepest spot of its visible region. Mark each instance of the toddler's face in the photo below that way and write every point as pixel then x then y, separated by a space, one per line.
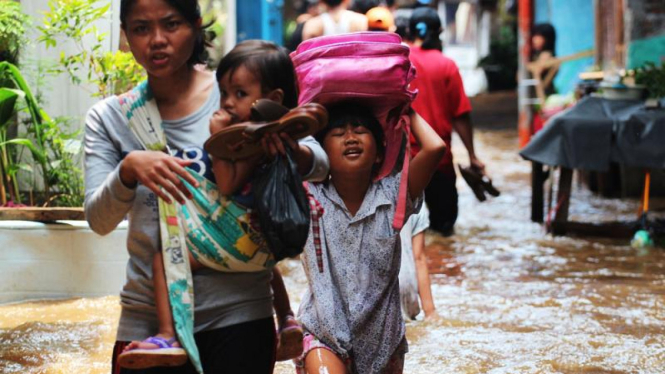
pixel 238 92
pixel 351 149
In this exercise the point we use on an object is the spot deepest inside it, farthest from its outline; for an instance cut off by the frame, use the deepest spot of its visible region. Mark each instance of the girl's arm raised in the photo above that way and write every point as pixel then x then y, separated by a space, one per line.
pixel 432 149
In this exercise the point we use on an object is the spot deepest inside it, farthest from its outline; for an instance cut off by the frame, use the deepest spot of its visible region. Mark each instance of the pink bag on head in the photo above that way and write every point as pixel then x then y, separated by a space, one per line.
pixel 370 68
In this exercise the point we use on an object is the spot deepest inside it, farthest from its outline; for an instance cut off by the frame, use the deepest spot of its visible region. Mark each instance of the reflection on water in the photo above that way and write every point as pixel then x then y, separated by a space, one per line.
pixel 511 298
pixel 58 337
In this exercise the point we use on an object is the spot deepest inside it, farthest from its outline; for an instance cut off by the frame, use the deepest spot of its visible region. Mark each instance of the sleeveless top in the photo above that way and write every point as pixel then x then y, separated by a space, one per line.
pixel 330 27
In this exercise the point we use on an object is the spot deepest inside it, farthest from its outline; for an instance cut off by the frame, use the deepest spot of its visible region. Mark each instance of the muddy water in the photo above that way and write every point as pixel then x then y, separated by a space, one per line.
pixel 511 299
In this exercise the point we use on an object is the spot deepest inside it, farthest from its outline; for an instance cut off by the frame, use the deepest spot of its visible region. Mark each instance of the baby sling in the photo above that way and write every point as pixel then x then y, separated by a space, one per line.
pixel 215 229
pixel 372 69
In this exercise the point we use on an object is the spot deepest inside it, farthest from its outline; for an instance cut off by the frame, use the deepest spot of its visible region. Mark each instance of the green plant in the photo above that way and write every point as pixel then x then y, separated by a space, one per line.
pixel 9 156
pixel 50 143
pixel 12 29
pixel 74 21
pixel 652 77
pixel 215 16
pixel 500 64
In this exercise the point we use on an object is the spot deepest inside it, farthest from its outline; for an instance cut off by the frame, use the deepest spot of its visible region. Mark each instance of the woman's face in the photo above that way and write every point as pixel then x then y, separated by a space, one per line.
pixel 160 39
pixel 538 42
pixel 351 149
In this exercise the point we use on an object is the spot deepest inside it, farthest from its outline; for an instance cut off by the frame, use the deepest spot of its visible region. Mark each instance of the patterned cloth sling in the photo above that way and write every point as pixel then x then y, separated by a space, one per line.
pixel 216 230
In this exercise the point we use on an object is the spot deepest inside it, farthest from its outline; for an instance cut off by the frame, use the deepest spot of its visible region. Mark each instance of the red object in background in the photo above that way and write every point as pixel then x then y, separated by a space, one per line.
pixel 538 122
pixel 11 204
pixel 525 22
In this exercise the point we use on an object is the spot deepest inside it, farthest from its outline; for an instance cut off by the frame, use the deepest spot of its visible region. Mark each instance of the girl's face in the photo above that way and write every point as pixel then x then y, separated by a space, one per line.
pixel 238 92
pixel 351 149
pixel 538 42
pixel 160 39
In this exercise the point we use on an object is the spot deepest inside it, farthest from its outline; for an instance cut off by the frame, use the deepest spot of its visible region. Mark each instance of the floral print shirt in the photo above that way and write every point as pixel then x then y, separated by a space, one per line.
pixel 353 305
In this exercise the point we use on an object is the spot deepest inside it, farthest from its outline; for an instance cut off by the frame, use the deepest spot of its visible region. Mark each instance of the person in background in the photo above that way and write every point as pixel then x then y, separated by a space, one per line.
pixel 543 40
pixel 441 101
pixel 413 276
pixel 380 19
pixel 414 279
pixel 337 19
pixel 363 6
pixel 308 10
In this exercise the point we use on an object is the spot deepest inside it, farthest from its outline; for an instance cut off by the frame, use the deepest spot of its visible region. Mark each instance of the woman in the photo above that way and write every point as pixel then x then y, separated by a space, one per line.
pixel 234 328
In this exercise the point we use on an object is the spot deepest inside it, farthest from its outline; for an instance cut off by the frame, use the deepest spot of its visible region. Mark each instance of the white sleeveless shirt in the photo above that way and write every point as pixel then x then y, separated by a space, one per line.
pixel 330 27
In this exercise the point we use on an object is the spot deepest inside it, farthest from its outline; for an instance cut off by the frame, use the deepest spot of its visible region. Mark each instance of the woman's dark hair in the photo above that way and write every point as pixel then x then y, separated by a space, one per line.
pixel 191 12
pixel 268 62
pixel 548 33
pixel 402 28
pixel 348 113
pixel 362 6
pixel 425 24
pixel 332 3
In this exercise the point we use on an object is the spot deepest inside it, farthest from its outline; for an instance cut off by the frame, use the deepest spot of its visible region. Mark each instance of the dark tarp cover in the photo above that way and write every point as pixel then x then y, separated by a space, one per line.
pixel 598 131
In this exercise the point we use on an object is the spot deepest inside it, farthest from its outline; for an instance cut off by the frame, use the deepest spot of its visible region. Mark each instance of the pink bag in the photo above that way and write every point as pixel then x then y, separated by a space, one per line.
pixel 370 68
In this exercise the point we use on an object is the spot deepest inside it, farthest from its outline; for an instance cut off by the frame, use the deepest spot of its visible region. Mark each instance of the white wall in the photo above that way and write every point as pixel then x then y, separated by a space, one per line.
pixel 63 97
pixel 51 261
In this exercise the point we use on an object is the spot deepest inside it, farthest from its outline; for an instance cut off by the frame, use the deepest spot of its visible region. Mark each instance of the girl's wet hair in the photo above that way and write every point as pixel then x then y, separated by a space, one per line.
pixel 347 113
pixel 268 62
pixel 191 12
pixel 425 24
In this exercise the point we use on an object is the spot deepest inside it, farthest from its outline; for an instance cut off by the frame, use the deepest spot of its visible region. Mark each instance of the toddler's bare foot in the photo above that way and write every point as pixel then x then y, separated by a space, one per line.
pixel 150 344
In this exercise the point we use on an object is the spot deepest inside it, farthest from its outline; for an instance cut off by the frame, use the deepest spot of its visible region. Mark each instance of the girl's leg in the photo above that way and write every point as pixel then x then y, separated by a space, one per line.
pixel 165 327
pixel 164 316
pixel 280 301
pixel 290 332
pixel 322 360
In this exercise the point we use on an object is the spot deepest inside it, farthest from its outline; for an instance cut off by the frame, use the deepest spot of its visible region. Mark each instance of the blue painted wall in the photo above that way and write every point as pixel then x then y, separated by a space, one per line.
pixel 646 50
pixel 574 23
pixel 260 19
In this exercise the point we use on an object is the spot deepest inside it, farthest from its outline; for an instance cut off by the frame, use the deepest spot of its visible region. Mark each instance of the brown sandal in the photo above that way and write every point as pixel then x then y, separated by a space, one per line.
pixel 243 140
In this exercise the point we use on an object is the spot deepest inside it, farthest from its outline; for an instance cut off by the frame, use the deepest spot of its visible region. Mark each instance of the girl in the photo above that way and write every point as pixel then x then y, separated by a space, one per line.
pixel 233 313
pixel 351 310
pixel 253 70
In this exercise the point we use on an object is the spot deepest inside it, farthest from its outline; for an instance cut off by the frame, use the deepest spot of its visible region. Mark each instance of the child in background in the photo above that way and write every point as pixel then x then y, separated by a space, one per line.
pixel 252 70
pixel 351 310
pixel 413 275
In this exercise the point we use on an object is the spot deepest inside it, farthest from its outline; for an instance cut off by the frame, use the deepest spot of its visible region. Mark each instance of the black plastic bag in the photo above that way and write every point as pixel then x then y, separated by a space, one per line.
pixel 282 206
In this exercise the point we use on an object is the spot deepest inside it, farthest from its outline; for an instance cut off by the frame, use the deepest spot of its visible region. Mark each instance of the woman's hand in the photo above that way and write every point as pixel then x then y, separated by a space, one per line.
pixel 159 172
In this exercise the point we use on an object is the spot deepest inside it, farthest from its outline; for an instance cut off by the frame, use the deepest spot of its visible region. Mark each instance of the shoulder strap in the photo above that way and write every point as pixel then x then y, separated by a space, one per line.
pixel 145 122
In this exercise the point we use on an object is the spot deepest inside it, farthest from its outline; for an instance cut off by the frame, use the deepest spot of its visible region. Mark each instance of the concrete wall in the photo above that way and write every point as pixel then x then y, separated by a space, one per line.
pixel 574 23
pixel 50 261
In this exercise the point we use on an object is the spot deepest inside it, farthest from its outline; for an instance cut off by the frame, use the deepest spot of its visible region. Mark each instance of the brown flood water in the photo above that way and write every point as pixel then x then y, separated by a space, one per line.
pixel 511 298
